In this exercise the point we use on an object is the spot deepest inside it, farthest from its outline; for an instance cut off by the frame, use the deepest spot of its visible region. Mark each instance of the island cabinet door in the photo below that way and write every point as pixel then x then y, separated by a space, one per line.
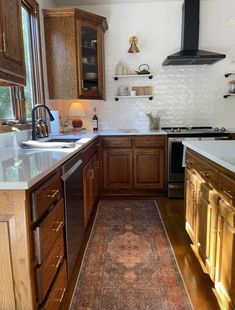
pixel 206 227
pixel 191 204
pixel 149 169
pixel 117 168
pixel 225 255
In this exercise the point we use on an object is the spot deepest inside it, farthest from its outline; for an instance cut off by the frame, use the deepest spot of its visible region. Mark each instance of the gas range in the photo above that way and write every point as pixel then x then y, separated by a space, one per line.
pixel 206 131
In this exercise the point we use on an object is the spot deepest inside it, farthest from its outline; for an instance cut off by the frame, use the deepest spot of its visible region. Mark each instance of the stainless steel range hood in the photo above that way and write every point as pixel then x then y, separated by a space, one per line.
pixel 190 54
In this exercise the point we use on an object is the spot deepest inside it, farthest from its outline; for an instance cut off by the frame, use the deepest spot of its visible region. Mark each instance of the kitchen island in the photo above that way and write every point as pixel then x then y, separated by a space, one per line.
pixel 210 212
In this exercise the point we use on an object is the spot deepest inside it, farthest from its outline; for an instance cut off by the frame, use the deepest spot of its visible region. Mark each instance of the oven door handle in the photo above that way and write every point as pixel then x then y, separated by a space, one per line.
pixel 68 173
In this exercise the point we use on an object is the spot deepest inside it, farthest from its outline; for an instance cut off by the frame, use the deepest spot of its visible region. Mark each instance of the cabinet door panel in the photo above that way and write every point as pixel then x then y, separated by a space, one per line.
pixel 11 42
pixel 117 168
pixel 87 191
pixel 225 271
pixel 149 169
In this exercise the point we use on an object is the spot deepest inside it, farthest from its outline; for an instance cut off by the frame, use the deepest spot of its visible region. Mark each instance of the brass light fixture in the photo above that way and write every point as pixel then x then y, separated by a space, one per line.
pixel 133 42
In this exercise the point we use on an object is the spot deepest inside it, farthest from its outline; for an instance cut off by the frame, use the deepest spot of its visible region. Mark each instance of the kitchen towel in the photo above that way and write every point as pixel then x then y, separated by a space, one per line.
pixel 55 125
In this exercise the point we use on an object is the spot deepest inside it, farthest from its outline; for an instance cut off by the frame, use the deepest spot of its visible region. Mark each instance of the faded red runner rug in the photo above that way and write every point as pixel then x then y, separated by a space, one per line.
pixel 129 263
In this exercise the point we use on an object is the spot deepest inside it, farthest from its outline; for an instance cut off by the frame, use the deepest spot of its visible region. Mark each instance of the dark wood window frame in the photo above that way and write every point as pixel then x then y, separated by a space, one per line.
pixel 17 92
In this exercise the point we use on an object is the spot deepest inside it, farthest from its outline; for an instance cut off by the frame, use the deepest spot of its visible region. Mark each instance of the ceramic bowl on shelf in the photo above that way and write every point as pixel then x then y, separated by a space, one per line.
pixel 90 75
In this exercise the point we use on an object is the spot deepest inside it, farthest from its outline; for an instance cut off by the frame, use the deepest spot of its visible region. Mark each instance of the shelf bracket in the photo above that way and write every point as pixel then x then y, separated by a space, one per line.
pixel 150 77
pixel 115 78
pixel 116 98
pixel 228 74
pixel 151 98
pixel 226 96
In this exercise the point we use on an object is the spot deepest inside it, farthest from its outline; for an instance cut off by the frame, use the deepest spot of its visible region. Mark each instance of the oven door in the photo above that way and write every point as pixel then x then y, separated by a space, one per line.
pixel 175 157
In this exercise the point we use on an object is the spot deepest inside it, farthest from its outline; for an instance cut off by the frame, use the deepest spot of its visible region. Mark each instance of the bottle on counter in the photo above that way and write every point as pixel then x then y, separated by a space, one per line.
pixel 95 121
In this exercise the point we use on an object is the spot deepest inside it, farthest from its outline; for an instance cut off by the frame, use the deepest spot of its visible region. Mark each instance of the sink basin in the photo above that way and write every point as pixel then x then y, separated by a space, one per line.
pixel 55 144
pixel 64 140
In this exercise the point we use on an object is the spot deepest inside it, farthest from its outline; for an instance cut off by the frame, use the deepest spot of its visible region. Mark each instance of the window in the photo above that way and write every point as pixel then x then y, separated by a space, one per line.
pixel 17 102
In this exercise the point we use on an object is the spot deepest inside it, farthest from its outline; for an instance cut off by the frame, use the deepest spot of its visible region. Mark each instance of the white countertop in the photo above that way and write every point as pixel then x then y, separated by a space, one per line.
pixel 220 152
pixel 22 168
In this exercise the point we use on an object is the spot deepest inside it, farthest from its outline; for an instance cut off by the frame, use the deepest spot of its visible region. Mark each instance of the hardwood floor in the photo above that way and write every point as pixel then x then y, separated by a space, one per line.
pixel 199 285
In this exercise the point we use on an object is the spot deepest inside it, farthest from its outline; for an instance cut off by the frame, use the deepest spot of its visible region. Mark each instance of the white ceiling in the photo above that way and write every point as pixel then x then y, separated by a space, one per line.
pixel 89 2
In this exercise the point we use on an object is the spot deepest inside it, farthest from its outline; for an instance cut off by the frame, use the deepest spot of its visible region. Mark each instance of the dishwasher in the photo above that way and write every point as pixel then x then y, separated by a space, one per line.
pixel 72 177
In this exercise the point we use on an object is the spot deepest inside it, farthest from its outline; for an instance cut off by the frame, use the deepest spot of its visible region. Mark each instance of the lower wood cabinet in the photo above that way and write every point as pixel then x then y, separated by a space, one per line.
pixel 148 168
pixel 32 247
pixel 210 222
pixel 90 181
pixel 117 164
pixel 134 165
pixel 225 255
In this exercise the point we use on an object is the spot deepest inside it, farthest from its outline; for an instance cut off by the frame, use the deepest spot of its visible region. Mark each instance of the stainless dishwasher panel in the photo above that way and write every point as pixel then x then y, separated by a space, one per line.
pixel 72 176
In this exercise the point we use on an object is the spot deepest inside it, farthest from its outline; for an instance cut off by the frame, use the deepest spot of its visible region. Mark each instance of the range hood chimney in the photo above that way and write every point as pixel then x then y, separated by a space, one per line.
pixel 190 54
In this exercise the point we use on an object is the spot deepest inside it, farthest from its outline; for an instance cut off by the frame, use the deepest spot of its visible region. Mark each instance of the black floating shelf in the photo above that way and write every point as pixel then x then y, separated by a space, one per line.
pixel 150 76
pixel 127 97
pixel 229 95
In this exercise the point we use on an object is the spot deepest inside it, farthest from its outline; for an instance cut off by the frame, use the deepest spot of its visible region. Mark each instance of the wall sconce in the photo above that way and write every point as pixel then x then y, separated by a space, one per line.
pixel 133 48
pixel 76 111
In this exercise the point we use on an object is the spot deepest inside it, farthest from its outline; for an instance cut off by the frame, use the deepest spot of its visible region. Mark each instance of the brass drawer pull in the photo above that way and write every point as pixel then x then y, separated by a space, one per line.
pixel 58 262
pixel 58 227
pixel 116 143
pixel 97 164
pixel 204 173
pixel 230 194
pixel 54 193
pixel 62 295
pixel 149 142
pixel 91 174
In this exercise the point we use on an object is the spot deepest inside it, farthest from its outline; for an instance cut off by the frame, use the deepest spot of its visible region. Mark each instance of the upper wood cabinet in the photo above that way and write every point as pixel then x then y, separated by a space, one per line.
pixel 75 54
pixel 12 66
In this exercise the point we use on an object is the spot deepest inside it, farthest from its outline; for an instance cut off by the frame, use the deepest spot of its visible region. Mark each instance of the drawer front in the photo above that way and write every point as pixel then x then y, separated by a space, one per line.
pixel 191 161
pixel 47 232
pixel 89 152
pixel 47 271
pixel 208 173
pixel 117 142
pixel 149 141
pixel 55 297
pixel 227 188
pixel 45 196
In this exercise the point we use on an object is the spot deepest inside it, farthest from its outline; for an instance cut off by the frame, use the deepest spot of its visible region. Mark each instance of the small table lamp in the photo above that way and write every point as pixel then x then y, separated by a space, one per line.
pixel 76 111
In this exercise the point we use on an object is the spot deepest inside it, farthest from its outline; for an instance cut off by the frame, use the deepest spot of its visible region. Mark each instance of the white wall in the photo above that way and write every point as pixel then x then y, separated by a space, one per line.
pixel 185 95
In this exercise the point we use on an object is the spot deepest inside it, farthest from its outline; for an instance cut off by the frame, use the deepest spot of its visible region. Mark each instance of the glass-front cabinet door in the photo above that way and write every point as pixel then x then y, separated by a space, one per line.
pixel 91 62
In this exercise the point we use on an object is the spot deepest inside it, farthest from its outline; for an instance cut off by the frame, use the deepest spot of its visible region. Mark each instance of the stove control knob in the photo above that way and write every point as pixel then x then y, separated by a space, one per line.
pixel 223 129
pixel 178 129
pixel 216 129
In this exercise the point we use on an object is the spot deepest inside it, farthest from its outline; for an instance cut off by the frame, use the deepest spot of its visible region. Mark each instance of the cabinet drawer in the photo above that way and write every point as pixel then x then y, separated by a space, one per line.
pixel 47 271
pixel 45 196
pixel 46 233
pixel 89 152
pixel 149 141
pixel 227 188
pixel 57 292
pixel 191 161
pixel 208 173
pixel 116 142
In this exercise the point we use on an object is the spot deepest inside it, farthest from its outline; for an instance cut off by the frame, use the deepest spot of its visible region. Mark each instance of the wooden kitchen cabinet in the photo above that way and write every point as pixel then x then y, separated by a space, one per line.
pixel 225 254
pixel 32 248
pixel 210 222
pixel 117 164
pixel 75 53
pixel 134 165
pixel 12 65
pixel 90 179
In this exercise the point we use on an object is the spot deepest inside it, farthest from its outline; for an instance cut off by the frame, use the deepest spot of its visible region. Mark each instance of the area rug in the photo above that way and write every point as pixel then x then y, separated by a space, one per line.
pixel 129 263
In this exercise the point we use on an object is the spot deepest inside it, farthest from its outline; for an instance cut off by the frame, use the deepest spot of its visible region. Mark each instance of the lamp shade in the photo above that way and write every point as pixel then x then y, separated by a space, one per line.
pixel 76 109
